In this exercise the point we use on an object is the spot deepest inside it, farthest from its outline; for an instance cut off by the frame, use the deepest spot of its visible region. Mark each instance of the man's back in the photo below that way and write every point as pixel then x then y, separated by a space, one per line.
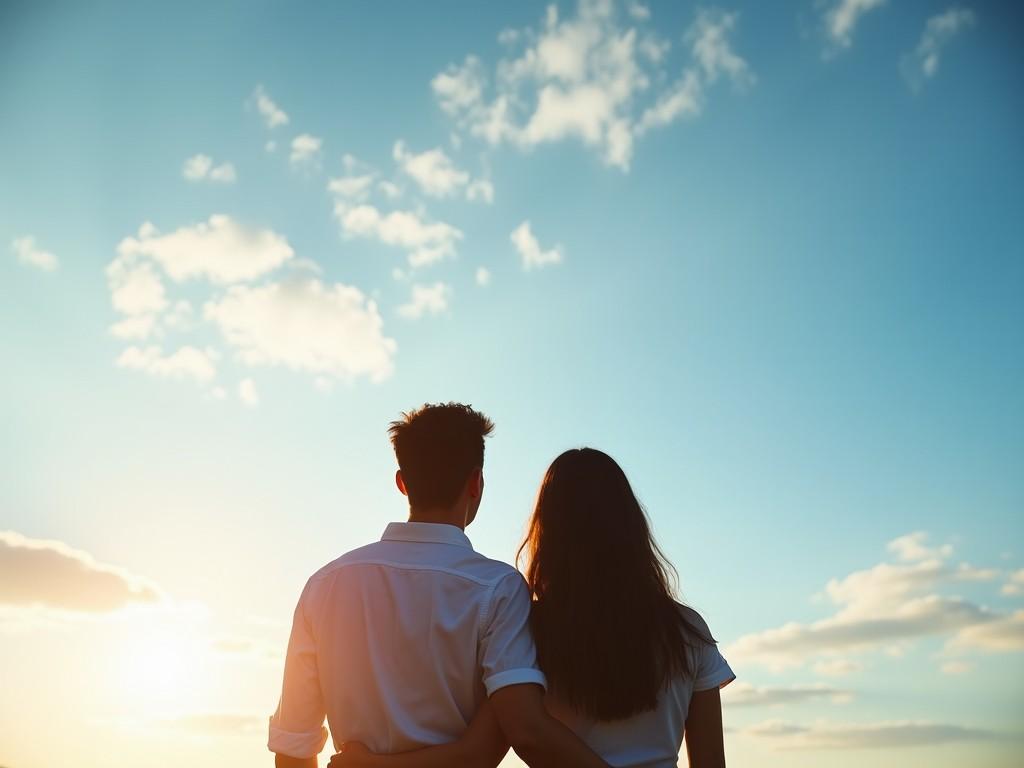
pixel 399 642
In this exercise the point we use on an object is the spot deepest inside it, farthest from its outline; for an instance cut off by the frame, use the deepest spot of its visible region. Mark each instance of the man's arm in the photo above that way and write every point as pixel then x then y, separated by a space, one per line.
pixel 705 745
pixel 483 745
pixel 297 727
pixel 538 738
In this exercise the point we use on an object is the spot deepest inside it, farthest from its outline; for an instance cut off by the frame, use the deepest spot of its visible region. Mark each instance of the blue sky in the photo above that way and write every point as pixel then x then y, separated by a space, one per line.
pixel 768 257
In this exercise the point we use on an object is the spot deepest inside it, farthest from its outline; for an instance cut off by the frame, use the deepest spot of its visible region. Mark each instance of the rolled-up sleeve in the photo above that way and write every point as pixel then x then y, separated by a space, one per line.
pixel 507 652
pixel 297 727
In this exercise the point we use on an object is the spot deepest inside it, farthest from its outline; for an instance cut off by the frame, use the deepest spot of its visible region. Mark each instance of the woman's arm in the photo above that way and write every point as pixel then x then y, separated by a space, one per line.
pixel 705 745
pixel 482 746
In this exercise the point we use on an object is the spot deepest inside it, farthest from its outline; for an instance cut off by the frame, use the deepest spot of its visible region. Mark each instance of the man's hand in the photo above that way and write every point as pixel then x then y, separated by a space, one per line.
pixel 353 754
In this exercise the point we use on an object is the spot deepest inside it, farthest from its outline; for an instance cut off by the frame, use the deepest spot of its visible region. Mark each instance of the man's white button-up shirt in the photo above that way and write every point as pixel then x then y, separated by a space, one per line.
pixel 398 643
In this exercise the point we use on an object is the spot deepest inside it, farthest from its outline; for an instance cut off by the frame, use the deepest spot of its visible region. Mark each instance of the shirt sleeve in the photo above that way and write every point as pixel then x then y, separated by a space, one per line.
pixel 713 671
pixel 507 653
pixel 297 727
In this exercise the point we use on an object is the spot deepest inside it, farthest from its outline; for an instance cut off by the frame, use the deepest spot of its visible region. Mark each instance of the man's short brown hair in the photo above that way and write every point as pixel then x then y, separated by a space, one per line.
pixel 437 447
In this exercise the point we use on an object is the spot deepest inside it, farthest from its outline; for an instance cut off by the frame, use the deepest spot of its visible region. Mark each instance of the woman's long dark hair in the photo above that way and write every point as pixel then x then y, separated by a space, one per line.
pixel 610 635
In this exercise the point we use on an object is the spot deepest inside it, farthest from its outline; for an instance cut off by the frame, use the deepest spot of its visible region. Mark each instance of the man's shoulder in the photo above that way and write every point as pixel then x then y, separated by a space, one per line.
pixel 366 553
pixel 464 562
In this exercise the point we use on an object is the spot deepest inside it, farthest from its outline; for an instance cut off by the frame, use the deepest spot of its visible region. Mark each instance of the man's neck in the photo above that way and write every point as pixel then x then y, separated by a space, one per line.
pixel 438 516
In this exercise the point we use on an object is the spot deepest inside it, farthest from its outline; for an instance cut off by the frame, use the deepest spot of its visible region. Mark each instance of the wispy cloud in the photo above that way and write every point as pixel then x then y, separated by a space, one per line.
pixel 878 735
pixel 272 114
pixel 201 168
pixel 745 695
pixel 426 299
pixel 842 17
pixel 922 63
pixel 29 253
pixel 305 151
pixel 52 574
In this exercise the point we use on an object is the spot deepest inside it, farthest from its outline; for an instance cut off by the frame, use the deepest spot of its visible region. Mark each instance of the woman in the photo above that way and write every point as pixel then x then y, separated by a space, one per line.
pixel 629 669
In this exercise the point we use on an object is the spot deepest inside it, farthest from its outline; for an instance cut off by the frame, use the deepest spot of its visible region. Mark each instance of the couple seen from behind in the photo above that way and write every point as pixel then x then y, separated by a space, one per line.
pixel 422 653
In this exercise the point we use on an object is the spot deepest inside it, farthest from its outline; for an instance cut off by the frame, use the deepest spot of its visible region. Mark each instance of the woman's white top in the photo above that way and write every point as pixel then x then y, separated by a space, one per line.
pixel 652 739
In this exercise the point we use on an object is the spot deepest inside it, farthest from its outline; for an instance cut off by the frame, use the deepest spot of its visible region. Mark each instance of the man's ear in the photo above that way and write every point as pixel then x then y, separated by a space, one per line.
pixel 400 482
pixel 476 483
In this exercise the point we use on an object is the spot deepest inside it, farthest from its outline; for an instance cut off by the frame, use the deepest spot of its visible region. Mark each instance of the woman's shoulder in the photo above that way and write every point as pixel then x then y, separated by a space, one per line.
pixel 696 623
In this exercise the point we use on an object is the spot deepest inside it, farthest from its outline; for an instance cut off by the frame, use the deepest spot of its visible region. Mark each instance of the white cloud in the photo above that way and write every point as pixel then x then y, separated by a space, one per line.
pixel 911 548
pixel 134 327
pixel 824 735
pixel 842 17
pixel 883 608
pixel 923 63
pixel 52 574
pixel 1015 584
pixel 247 393
pixel 530 251
pixel 425 241
pixel 433 170
pixel 307 325
pixel 592 77
pixel 200 167
pixel 483 276
pixel 27 252
pixel 220 250
pixel 272 114
pixel 426 299
pixel 186 362
pixel 305 150
pixel 1003 634
pixel 741 694
pixel 351 187
pixel 135 287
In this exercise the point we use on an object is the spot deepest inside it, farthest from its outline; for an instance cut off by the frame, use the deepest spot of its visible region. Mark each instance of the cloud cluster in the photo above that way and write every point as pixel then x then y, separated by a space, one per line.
pixel 886 605
pixel 437 175
pixel 592 77
pixel 424 240
pixel 296 321
pixel 53 575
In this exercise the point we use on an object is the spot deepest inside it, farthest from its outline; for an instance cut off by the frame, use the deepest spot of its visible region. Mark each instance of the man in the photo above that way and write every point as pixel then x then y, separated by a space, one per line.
pixel 400 642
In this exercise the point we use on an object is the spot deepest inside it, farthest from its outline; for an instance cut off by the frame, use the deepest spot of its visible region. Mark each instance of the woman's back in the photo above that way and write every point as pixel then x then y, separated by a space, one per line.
pixel 653 738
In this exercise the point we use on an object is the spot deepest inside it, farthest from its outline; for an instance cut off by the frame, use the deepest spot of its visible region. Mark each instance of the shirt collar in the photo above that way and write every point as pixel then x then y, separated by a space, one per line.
pixel 432 533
